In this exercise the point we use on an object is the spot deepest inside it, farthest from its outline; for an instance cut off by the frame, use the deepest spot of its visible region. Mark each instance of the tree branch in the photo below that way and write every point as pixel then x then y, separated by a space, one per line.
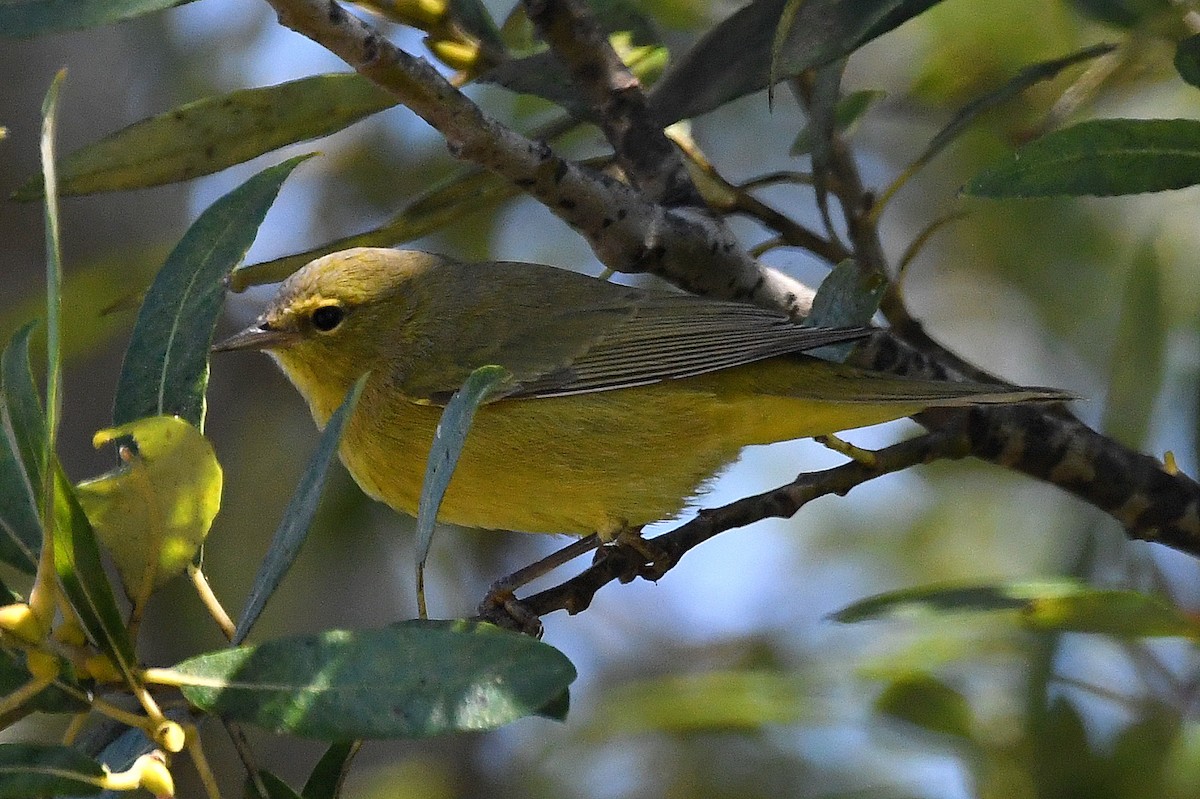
pixel 1047 442
pixel 641 147
pixel 627 232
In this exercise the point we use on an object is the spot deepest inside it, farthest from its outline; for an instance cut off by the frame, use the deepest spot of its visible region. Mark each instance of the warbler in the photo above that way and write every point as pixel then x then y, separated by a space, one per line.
pixel 621 403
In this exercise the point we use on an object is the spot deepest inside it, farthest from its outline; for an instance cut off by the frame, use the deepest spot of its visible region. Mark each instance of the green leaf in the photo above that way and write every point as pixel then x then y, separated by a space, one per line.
pixel 28 770
pixel 734 58
pixel 846 116
pixel 1124 13
pixel 847 297
pixel 53 280
pixel 465 193
pixel 414 679
pixel 154 513
pixel 298 516
pixel 928 703
pixel 21 434
pixel 208 135
pixel 935 600
pixel 720 700
pixel 329 774
pixel 826 90
pixel 1125 614
pixel 1033 74
pixel 1139 352
pixel 543 74
pixel 26 18
pixel 447 445
pixel 28 423
pixel 81 574
pixel 1103 157
pixel 276 787
pixel 474 18
pixel 540 75
pixel 165 371
pixel 1187 59
pixel 783 29
pixel 1046 605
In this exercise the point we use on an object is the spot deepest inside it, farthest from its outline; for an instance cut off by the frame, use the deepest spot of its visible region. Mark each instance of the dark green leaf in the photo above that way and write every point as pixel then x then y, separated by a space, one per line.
pixel 81 574
pixel 447 445
pixel 1139 352
pixel 1123 13
pixel 277 788
pixel 933 601
pixel 928 703
pixel 734 58
pixel 22 431
pixel 557 708
pixel 414 679
pixel 298 516
pixel 24 406
pixel 845 118
pixel 1027 77
pixel 1102 157
pixel 822 103
pixel 1051 605
pixel 29 770
pixel 213 133
pixel 121 752
pixel 847 297
pixel 329 774
pixel 463 194
pixel 474 18
pixel 165 371
pixel 540 75
pixel 25 18
pixel 1187 59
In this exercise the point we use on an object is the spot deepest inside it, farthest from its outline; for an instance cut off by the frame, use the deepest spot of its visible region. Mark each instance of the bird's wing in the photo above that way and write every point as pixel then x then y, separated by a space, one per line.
pixel 560 333
pixel 669 336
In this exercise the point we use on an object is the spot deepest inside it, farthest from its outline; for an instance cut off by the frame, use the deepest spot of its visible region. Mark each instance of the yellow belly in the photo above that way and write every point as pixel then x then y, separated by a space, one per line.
pixel 592 462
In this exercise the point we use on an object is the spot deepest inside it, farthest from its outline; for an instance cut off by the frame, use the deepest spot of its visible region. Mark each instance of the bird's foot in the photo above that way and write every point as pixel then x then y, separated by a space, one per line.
pixel 501 607
pixel 864 456
pixel 639 557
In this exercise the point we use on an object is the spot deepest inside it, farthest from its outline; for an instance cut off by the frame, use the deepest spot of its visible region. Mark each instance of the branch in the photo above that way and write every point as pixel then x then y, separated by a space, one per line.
pixel 1046 442
pixel 627 232
pixel 641 147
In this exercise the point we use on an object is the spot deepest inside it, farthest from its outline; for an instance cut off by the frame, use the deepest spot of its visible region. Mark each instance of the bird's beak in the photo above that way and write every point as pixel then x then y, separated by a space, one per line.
pixel 259 336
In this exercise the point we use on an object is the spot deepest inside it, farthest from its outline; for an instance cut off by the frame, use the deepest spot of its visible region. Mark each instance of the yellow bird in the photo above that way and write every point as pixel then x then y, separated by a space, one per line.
pixel 622 403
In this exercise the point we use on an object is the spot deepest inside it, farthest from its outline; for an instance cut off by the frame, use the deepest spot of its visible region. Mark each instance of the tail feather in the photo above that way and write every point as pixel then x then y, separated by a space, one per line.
pixel 820 380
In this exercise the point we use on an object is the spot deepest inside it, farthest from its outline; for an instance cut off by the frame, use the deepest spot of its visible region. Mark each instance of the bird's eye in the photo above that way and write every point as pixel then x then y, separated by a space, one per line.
pixel 327 317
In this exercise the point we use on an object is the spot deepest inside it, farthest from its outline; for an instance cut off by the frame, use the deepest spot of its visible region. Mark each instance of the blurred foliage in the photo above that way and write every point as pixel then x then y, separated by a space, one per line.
pixel 729 678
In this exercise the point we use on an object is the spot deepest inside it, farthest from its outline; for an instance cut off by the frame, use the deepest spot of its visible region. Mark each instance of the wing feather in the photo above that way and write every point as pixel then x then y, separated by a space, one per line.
pixel 669 337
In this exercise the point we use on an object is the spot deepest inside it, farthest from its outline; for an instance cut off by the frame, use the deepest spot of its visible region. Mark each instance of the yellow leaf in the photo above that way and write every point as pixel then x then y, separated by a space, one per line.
pixel 154 511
